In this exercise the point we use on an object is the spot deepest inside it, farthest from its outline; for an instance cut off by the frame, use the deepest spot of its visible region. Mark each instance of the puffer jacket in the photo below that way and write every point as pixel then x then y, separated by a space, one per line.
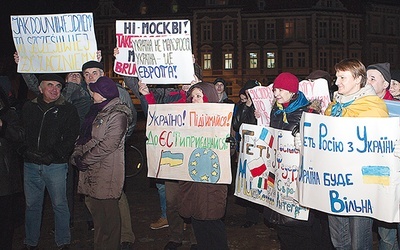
pixel 104 153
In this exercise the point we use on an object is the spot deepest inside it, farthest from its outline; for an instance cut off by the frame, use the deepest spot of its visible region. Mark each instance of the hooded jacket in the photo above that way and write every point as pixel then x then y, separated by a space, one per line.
pixel 104 153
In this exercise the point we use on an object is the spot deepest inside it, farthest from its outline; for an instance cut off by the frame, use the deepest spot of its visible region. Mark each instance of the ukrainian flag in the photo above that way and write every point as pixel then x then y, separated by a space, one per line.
pixel 376 175
pixel 171 159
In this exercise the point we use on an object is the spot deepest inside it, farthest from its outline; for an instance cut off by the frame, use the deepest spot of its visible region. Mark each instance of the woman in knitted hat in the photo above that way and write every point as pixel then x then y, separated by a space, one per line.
pixel 290 103
pixel 99 156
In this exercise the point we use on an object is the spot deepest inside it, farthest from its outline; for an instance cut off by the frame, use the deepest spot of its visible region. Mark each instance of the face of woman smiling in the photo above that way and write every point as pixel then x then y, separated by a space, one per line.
pixel 282 95
pixel 346 83
pixel 197 95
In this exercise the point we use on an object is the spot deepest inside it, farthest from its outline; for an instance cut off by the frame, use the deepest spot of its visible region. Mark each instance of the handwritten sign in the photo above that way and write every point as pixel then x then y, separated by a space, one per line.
pixel 268 169
pixel 187 142
pixel 53 43
pixel 263 100
pixel 317 89
pixel 156 51
pixel 263 97
pixel 348 166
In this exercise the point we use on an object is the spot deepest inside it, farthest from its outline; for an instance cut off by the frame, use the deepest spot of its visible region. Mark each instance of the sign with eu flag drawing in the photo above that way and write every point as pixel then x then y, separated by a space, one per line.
pixel 188 142
pixel 348 168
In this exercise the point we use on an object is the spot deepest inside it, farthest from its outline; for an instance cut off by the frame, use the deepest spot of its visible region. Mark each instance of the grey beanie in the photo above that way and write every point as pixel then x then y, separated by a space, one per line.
pixel 383 68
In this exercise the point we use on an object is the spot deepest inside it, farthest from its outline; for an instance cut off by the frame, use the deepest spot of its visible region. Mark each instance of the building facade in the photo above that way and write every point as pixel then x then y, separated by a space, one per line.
pixel 257 39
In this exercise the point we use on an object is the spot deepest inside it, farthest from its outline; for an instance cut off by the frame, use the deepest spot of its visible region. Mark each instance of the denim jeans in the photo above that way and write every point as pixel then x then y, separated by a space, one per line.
pixel 388 237
pixel 163 200
pixel 36 179
pixel 351 232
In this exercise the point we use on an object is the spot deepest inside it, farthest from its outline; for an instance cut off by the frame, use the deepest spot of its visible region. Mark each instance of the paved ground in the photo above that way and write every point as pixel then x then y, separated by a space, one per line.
pixel 143 199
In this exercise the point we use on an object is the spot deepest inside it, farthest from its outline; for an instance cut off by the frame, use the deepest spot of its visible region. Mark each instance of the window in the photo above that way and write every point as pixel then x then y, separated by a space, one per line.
pixel 270 60
pixel 336 56
pixel 143 9
pixel 391 26
pixel 323 29
pixel 227 32
pixel 323 61
pixel 354 30
pixel 289 29
pixel 100 36
pixel 206 32
pixel 375 25
pixel 261 4
pixel 252 30
pixel 174 6
pixel 336 30
pixel 270 31
pixel 354 54
pixel 391 54
pixel 207 61
pixel 301 59
pixel 301 31
pixel 289 60
pixel 228 61
pixel 376 52
pixel 216 2
pixel 253 60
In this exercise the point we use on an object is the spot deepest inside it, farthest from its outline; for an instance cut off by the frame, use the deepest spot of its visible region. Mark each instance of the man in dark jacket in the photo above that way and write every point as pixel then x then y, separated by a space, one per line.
pixel 51 125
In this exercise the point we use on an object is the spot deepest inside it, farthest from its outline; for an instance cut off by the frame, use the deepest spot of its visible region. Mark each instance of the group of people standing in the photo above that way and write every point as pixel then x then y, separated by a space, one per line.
pixel 361 92
pixel 82 123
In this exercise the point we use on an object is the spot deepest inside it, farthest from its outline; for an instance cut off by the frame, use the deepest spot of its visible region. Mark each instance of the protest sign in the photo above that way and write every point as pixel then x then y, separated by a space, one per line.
pixel 316 90
pixel 263 97
pixel 393 108
pixel 348 166
pixel 54 43
pixel 268 169
pixel 187 142
pixel 263 100
pixel 156 51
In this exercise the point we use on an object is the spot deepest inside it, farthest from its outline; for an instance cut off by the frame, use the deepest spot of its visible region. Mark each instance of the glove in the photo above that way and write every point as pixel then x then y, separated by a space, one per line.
pixel 79 164
pixel 396 150
pixel 297 141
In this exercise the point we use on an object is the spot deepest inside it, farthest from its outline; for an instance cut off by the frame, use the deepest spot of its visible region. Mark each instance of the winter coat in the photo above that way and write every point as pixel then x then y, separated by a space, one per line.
pixel 363 103
pixel 293 112
pixel 11 135
pixel 105 153
pixel 243 114
pixel 202 201
pixel 50 129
